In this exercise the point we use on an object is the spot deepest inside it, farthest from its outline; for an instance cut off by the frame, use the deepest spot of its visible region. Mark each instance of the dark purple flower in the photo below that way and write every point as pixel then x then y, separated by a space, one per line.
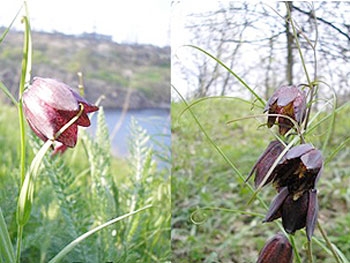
pixel 299 170
pixel 265 161
pixel 289 101
pixel 295 214
pixel 277 249
pixel 49 104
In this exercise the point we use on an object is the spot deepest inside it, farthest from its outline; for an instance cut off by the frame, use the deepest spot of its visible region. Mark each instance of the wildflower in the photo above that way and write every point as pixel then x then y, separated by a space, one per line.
pixel 264 163
pixel 289 101
pixel 295 214
pixel 49 104
pixel 299 170
pixel 277 249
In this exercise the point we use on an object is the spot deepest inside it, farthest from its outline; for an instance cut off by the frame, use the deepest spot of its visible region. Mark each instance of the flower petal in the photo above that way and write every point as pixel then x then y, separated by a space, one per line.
pixel 69 136
pixel 294 213
pixel 299 106
pixel 286 94
pixel 39 115
pixel 276 205
pixel 54 93
pixel 312 212
pixel 312 159
pixel 276 249
pixel 298 151
pixel 87 106
pixel 49 104
pixel 264 163
pixel 83 120
pixel 59 148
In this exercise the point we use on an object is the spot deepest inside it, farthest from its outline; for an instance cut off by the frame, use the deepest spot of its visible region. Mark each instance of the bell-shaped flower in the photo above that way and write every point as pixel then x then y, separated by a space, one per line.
pixel 295 214
pixel 289 101
pixel 49 104
pixel 299 170
pixel 265 161
pixel 277 249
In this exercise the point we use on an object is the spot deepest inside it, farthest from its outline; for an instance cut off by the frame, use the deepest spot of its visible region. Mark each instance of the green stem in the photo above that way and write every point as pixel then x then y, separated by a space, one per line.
pixel 25 78
pixel 296 253
pixel 19 243
pixel 309 252
pixel 23 141
pixel 310 83
pixel 328 243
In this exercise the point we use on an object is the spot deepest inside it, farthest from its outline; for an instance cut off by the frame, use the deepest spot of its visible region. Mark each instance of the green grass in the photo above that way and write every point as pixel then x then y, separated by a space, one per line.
pixel 202 178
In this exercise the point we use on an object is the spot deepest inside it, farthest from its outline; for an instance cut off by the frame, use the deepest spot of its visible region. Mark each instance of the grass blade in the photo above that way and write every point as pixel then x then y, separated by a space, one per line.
pixel 9 27
pixel 6 250
pixel 8 93
pixel 215 97
pixel 233 73
pixel 75 242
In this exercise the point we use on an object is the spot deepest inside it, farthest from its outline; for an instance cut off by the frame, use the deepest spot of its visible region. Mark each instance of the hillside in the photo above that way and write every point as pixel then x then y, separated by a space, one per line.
pixel 108 68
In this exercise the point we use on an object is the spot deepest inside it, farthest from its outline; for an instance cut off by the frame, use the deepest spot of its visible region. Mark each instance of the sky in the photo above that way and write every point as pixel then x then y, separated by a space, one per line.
pixel 180 10
pixel 131 21
pixel 249 53
pixel 180 36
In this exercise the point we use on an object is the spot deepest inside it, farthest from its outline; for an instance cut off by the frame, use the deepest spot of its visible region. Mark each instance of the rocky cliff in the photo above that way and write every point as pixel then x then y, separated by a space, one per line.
pixel 115 71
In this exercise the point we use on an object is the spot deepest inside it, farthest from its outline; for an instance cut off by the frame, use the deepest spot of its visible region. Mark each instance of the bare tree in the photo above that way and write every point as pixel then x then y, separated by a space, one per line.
pixel 257 42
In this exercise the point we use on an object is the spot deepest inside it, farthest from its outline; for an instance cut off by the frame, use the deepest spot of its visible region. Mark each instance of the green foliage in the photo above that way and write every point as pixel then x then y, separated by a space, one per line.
pixel 149 186
pixel 201 178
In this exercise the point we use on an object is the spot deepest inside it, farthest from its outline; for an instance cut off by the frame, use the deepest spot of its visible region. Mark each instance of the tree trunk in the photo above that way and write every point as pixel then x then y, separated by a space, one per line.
pixel 289 35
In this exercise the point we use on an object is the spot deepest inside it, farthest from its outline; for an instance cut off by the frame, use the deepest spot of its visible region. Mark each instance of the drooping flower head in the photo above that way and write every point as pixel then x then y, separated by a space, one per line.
pixel 295 214
pixel 299 170
pixel 289 101
pixel 277 249
pixel 49 104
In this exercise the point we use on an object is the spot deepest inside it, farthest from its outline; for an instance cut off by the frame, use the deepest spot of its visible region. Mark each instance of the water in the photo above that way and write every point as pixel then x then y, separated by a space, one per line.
pixel 155 121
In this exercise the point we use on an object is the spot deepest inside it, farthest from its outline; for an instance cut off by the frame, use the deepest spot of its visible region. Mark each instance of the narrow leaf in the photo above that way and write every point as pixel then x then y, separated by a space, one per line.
pixel 233 73
pixel 8 93
pixel 9 27
pixel 25 199
pixel 6 249
pixel 75 242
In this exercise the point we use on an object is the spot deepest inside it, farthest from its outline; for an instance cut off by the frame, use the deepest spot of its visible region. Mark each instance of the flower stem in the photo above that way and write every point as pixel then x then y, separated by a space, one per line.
pixel 19 243
pixel 70 123
pixel 23 141
pixel 296 253
pixel 309 252
pixel 25 78
pixel 329 244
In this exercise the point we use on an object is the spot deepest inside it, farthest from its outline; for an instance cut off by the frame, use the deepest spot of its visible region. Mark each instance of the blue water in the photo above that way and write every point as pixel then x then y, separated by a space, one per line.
pixel 155 121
